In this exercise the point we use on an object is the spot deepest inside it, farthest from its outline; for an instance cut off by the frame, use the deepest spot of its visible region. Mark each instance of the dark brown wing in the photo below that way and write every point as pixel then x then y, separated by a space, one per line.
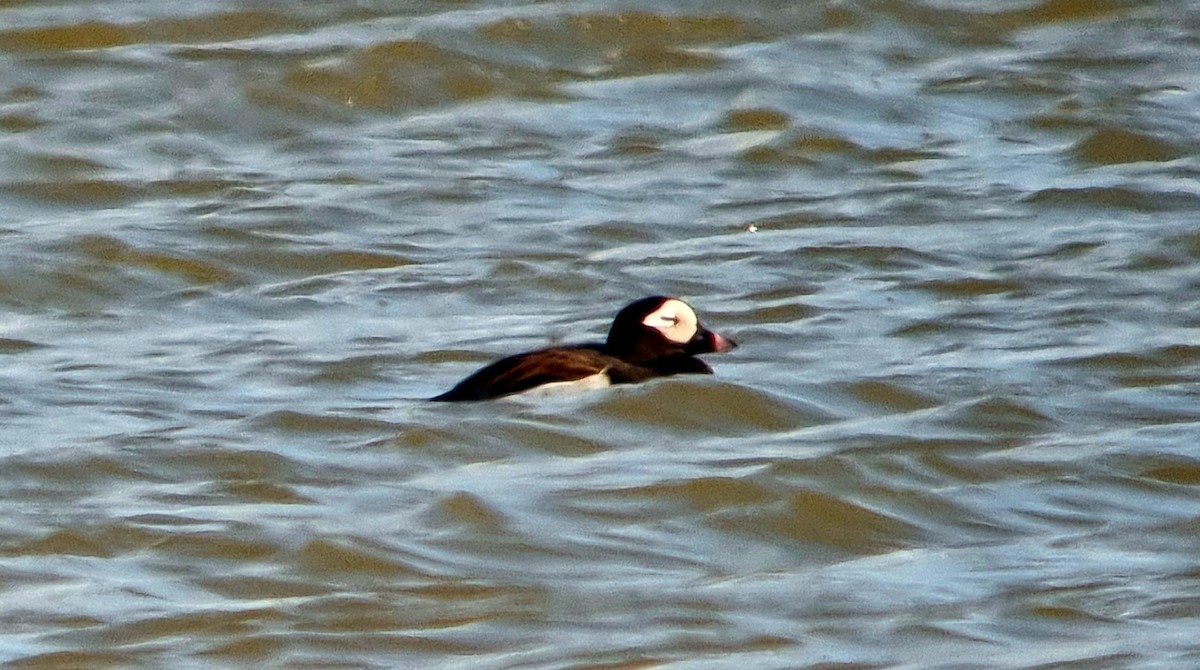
pixel 525 371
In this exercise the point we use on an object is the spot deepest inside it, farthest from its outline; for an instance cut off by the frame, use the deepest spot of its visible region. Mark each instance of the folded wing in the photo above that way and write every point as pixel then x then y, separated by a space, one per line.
pixel 526 371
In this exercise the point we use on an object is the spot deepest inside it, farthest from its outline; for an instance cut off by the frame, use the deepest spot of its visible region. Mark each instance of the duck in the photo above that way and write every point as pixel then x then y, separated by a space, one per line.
pixel 658 336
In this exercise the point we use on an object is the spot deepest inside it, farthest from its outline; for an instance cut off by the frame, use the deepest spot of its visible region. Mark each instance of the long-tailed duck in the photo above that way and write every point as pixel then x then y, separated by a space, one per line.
pixel 653 337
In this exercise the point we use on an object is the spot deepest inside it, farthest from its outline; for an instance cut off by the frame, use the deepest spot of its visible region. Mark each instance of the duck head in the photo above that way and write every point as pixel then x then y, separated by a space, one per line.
pixel 661 327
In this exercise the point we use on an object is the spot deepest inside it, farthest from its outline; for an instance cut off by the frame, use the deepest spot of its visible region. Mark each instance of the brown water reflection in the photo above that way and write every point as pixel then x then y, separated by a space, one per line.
pixel 239 245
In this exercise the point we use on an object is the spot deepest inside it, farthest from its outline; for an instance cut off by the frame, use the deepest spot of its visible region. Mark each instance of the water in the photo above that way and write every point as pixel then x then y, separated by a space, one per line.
pixel 241 242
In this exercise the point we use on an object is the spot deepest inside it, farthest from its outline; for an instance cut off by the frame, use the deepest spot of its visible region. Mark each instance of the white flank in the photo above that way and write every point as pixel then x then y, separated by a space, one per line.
pixel 590 383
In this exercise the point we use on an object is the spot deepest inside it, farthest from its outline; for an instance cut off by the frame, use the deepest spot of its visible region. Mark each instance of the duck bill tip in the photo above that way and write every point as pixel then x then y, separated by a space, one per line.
pixel 719 343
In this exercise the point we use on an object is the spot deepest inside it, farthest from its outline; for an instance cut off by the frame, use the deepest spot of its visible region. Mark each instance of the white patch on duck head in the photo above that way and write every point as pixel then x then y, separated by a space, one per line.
pixel 675 320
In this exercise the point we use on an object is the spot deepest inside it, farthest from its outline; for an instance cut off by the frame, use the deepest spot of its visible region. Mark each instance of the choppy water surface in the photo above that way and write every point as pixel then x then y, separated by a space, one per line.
pixel 959 242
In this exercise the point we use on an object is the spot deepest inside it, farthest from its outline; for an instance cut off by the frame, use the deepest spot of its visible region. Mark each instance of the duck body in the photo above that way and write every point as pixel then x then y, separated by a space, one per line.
pixel 657 336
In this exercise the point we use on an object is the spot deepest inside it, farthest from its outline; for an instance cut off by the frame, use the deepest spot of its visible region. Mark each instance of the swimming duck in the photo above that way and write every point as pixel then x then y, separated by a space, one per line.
pixel 657 336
